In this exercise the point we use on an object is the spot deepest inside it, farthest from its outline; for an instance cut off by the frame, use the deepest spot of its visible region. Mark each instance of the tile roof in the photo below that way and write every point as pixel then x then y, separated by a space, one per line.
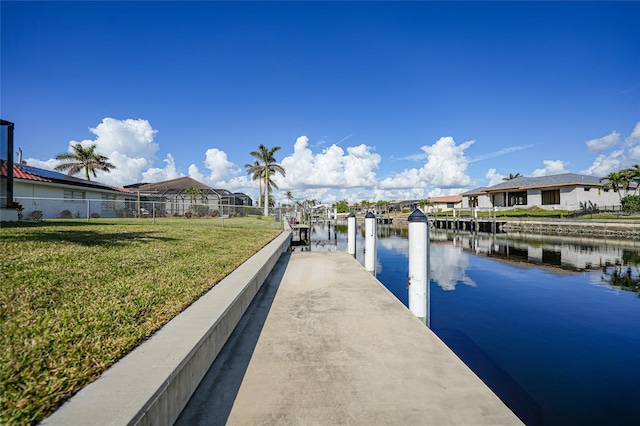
pixel 30 173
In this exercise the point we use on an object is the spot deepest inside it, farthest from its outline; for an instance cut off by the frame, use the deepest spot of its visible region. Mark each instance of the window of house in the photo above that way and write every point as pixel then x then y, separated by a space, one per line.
pixel 74 195
pixel 473 201
pixel 587 189
pixel 108 205
pixel 551 197
pixel 517 198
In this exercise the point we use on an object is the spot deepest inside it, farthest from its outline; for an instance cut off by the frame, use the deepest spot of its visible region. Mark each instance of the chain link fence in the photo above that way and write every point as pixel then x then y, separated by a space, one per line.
pixel 38 209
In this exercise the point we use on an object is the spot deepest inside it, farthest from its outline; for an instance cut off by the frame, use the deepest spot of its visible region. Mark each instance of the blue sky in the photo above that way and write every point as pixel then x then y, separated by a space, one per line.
pixel 368 100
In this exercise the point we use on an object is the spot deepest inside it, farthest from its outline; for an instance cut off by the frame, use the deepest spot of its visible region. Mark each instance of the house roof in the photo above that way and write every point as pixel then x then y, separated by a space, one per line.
pixel 31 173
pixel 174 184
pixel 476 191
pixel 523 183
pixel 447 199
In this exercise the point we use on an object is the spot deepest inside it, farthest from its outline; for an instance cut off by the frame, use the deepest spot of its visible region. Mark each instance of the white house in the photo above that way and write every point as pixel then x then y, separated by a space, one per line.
pixel 46 194
pixel 567 191
pixel 443 204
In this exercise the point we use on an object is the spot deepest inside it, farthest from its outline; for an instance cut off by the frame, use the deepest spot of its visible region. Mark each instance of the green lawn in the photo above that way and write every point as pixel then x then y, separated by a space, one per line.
pixel 76 296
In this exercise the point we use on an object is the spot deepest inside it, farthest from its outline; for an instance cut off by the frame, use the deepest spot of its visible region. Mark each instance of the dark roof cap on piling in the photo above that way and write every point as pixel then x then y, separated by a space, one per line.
pixel 351 215
pixel 417 216
pixel 369 215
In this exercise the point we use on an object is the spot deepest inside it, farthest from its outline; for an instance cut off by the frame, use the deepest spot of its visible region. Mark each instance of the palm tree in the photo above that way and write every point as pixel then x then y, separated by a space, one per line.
pixel 266 159
pixel 81 158
pixel 634 176
pixel 256 171
pixel 512 176
pixel 289 196
pixel 616 181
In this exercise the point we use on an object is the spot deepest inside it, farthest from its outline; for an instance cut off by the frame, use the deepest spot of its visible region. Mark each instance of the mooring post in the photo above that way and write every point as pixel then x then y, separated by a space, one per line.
pixel 351 234
pixel 475 217
pixel 418 279
pixel 370 243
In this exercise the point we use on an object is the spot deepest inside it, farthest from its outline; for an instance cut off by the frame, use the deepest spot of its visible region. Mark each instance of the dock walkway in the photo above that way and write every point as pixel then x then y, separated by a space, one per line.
pixel 324 343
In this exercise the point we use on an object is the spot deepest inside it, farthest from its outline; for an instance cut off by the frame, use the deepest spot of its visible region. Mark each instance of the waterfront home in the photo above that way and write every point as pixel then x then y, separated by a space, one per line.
pixel 567 191
pixel 443 204
pixel 49 194
pixel 176 197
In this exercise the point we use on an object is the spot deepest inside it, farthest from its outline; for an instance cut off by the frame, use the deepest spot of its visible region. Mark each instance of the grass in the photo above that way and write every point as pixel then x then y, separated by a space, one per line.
pixel 75 296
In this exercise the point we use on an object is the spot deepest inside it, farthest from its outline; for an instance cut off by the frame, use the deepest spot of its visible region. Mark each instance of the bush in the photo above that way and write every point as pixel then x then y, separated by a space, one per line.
pixel 66 214
pixel 199 210
pixel 35 215
pixel 95 215
pixel 631 204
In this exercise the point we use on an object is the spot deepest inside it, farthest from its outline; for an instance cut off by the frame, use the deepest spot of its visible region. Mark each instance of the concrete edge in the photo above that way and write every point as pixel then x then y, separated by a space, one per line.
pixel 153 383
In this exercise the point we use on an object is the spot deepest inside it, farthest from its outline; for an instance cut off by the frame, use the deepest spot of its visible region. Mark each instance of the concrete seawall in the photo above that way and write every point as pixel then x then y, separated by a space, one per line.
pixel 597 228
pixel 153 383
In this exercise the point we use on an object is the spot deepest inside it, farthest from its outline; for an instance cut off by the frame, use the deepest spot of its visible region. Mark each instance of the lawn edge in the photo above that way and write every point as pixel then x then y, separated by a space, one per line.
pixel 153 383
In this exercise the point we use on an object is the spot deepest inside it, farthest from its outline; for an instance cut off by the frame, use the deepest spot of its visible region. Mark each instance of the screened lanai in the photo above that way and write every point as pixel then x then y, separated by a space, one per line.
pixel 181 197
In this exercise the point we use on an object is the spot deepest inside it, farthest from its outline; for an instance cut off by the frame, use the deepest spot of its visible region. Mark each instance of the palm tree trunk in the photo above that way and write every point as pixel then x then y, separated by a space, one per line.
pixel 266 192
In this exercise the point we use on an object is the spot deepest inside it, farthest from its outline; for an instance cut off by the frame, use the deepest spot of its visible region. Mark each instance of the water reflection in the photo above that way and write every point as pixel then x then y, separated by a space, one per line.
pixel 449 266
pixel 623 277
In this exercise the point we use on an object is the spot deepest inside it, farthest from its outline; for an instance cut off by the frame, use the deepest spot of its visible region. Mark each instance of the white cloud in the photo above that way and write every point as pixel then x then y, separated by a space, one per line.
pixel 494 178
pixel 634 137
pixel 447 163
pixel 618 159
pixel 409 178
pixel 551 167
pixel 500 153
pixel 155 174
pixel 605 164
pixel 331 168
pixel 196 174
pixel 48 164
pixel 633 144
pixel 445 168
pixel 605 142
pixel 220 169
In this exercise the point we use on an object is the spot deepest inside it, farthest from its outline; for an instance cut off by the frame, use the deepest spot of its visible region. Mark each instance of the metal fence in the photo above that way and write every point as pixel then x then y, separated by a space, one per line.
pixel 37 208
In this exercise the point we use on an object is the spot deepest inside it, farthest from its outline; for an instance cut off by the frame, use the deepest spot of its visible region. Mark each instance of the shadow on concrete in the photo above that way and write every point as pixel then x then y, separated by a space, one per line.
pixel 213 400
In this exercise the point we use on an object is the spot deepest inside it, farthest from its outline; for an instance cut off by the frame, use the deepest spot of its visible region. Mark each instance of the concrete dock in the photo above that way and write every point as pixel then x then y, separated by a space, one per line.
pixel 325 343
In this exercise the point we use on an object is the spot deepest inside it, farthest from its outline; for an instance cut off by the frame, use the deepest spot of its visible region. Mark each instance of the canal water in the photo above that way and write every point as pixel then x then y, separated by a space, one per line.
pixel 551 325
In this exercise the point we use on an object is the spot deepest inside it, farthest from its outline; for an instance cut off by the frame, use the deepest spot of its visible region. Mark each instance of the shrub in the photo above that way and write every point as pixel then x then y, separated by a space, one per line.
pixel 66 214
pixel 631 204
pixel 35 215
pixel 95 215
pixel 18 208
pixel 199 210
